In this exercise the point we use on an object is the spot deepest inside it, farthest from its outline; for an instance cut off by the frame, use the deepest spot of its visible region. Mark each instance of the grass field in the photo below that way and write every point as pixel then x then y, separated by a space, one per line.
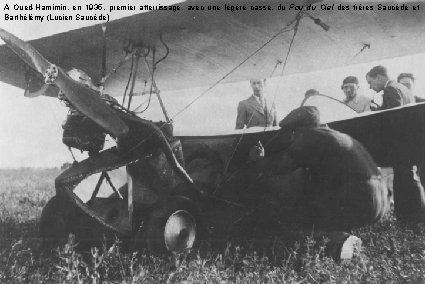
pixel 390 254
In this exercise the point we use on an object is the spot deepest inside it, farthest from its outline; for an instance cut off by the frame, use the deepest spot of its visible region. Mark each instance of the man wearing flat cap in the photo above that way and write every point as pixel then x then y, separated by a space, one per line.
pixel 309 93
pixel 343 189
pixel 355 101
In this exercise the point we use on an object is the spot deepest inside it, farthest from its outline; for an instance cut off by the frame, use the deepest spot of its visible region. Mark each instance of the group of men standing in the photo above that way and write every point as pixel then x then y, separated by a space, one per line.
pixel 257 110
pixel 408 190
pixel 394 93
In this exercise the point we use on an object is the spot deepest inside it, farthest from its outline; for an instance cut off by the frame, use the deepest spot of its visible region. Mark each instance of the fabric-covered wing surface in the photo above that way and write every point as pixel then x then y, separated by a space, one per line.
pixel 206 45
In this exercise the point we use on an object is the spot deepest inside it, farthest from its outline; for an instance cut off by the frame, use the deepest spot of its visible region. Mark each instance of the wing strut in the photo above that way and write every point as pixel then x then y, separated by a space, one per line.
pixel 135 73
pixel 154 88
pixel 154 85
pixel 163 108
pixel 104 54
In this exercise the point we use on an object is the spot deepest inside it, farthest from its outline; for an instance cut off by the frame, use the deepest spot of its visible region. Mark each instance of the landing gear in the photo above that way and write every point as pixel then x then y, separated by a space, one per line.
pixel 55 221
pixel 174 226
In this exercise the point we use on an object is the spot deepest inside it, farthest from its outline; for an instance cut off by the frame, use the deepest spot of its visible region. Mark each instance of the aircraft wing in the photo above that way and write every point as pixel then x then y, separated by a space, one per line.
pixel 390 136
pixel 205 46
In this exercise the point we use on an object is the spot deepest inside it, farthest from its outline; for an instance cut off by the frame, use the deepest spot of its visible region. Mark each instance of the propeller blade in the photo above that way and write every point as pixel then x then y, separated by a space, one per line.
pixel 86 100
pixel 91 104
pixel 25 51
pixel 37 93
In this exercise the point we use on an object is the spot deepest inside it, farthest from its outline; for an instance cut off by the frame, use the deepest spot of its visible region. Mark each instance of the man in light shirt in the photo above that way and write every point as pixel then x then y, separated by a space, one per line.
pixel 355 101
pixel 256 110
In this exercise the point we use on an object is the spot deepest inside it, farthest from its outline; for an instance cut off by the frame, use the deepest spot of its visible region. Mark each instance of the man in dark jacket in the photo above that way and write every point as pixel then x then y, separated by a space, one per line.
pixel 408 191
pixel 394 94
pixel 344 188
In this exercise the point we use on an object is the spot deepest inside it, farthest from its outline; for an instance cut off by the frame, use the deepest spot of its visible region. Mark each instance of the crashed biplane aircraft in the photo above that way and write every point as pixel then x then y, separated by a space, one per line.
pixel 168 192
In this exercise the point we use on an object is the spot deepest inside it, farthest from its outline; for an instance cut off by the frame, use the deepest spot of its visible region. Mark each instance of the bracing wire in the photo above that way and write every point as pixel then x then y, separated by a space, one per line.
pixel 297 20
pixel 154 67
pixel 236 146
pixel 276 35
pixel 139 106
pixel 167 52
pixel 152 81
pixel 230 72
pixel 296 28
pixel 128 81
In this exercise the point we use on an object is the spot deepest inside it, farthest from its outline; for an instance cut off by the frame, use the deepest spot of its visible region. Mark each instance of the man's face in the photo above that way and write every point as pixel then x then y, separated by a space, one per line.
pixel 350 90
pixel 376 83
pixel 257 86
pixel 407 82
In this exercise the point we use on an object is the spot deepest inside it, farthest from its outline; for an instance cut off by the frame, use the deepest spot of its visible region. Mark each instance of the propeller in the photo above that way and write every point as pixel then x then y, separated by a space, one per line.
pixel 41 92
pixel 86 100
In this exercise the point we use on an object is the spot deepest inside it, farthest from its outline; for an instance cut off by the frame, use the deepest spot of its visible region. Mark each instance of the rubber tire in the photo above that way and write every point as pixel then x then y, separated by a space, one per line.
pixel 153 227
pixel 54 225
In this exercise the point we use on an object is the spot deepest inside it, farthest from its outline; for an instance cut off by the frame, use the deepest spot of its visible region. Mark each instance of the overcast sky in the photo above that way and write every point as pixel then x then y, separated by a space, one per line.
pixel 31 127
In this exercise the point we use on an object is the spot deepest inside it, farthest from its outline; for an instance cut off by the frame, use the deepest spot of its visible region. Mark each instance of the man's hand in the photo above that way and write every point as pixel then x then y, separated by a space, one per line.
pixel 377 101
pixel 257 152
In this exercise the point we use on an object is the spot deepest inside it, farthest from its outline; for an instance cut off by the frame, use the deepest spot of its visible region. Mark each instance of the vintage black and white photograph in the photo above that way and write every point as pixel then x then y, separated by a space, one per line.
pixel 212 141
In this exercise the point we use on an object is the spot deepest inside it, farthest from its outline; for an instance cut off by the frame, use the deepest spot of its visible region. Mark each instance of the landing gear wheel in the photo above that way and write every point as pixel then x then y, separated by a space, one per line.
pixel 174 227
pixel 54 221
pixel 179 231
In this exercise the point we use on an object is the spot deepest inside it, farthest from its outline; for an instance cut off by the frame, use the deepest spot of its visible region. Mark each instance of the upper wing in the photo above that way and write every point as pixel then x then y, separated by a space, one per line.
pixel 206 46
